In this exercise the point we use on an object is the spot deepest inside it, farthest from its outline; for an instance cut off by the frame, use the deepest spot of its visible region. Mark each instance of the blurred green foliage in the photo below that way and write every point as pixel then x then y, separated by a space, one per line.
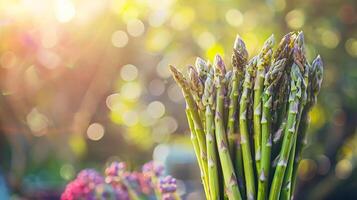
pixel 86 82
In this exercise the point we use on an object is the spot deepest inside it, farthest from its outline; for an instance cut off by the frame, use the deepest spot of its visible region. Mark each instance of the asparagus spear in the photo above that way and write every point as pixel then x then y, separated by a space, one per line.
pixel 280 97
pixel 270 82
pixel 229 176
pixel 315 81
pixel 279 110
pixel 243 125
pixel 263 63
pixel 196 148
pixel 239 60
pixel 209 103
pixel 284 50
pixel 300 60
pixel 294 100
pixel 182 82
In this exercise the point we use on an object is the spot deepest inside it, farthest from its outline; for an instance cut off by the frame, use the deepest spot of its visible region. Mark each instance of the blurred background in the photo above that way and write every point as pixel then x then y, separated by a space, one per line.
pixel 85 82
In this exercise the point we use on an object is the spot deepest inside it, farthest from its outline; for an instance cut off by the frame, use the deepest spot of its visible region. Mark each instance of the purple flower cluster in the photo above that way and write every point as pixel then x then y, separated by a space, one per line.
pixel 83 187
pixel 121 184
pixel 168 188
pixel 153 169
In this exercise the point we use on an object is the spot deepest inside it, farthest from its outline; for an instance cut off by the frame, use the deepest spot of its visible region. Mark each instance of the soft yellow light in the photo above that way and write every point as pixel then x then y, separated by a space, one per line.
pixel 67 171
pixel 182 19
pixel 78 144
pixel 64 10
pixel 120 39
pixel 158 18
pixel 129 72
pixel 351 47
pixel 317 116
pixel 234 17
pixel 114 103
pixel 174 93
pixel 307 169
pixel 130 90
pixel 130 118
pixel 330 39
pixel 343 169
pixel 158 39
pixel 206 40
pixel 295 19
pixel 170 124
pixel 135 27
pixel 37 122
pixel 156 109
pixel 162 69
pixel 146 119
pixel 279 5
pixel 95 131
pixel 213 50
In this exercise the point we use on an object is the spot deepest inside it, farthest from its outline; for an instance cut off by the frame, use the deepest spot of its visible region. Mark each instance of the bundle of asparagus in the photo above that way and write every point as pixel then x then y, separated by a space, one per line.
pixel 248 124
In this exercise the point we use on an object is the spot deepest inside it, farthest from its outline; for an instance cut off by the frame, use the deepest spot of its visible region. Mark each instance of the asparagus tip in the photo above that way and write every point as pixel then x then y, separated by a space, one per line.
pixel 239 44
pixel 269 42
pixel 220 68
pixel 201 67
pixel 240 54
pixel 300 40
pixel 195 81
pixel 177 75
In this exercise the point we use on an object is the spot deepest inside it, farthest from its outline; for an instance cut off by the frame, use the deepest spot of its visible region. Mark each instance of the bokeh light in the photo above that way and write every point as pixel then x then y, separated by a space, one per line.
pixel 295 19
pixel 95 131
pixel 343 169
pixel 156 109
pixel 65 10
pixel 135 27
pixel 129 72
pixel 120 39
pixel 234 17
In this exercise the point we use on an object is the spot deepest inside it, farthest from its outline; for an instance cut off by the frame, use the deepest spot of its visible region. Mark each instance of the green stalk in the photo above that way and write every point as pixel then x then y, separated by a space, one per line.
pixel 263 63
pixel 294 100
pixel 196 148
pixel 315 81
pixel 209 103
pixel 284 50
pixel 239 167
pixel 243 125
pixel 211 153
pixel 272 77
pixel 300 60
pixel 239 60
pixel 229 176
pixel 182 82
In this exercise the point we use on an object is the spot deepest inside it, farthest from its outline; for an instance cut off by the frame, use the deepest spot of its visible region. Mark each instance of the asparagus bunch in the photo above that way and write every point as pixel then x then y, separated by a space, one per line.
pixel 249 122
